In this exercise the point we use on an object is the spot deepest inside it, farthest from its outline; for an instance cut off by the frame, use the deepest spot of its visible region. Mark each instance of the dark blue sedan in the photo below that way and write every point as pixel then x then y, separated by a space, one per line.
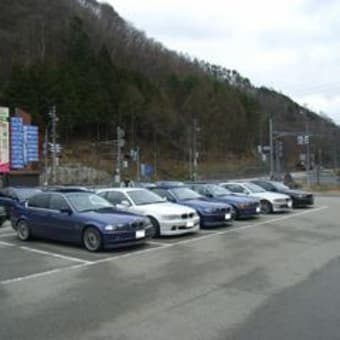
pixel 244 207
pixel 79 217
pixel 211 213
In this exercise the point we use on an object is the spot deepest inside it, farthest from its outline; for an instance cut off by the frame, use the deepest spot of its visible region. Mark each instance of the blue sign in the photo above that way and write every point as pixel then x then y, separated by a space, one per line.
pixel 24 143
pixel 17 143
pixel 147 170
pixel 31 143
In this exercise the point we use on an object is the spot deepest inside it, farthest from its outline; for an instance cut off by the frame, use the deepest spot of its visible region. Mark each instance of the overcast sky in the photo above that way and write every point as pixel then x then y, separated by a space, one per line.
pixel 292 46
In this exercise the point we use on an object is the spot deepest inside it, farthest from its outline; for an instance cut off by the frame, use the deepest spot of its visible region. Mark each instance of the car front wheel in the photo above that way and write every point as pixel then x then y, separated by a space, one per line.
pixel 92 239
pixel 23 231
pixel 266 207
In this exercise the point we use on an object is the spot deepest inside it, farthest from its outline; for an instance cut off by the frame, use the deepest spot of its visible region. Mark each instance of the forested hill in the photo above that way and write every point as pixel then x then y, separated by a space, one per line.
pixel 101 72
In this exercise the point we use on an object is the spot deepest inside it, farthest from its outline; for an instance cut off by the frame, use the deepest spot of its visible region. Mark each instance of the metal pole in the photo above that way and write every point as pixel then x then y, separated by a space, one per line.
pixel 307 142
pixel 54 147
pixel 118 157
pixel 138 162
pixel 271 143
pixel 195 152
pixel 46 157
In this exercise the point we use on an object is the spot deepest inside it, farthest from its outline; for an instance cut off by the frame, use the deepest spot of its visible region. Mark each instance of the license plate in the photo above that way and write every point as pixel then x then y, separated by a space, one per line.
pixel 190 224
pixel 290 204
pixel 140 233
pixel 258 209
pixel 227 216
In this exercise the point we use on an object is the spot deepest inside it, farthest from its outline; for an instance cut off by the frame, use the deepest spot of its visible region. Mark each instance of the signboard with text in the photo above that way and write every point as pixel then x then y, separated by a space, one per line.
pixel 4 140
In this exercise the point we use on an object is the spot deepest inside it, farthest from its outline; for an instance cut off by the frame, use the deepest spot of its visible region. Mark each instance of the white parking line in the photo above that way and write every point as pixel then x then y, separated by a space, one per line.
pixel 7 234
pixel 150 250
pixel 6 244
pixel 156 243
pixel 41 274
pixel 48 253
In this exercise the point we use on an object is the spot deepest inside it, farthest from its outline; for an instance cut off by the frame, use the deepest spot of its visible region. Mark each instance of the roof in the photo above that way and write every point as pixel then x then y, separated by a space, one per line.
pixel 120 189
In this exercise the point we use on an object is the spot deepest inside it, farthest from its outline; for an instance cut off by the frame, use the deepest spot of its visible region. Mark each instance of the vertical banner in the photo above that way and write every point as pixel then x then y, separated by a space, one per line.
pixel 4 140
pixel 17 143
pixel 32 143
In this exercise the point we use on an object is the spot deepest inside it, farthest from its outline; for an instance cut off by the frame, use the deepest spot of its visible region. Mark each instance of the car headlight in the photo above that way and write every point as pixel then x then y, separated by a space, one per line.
pixel 301 196
pixel 208 210
pixel 111 227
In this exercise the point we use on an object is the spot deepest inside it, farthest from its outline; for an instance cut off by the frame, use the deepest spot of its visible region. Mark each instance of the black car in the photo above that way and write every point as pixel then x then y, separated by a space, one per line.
pixel 300 198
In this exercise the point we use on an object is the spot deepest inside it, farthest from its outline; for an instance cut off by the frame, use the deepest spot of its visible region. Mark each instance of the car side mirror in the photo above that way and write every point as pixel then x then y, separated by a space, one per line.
pixel 66 211
pixel 123 204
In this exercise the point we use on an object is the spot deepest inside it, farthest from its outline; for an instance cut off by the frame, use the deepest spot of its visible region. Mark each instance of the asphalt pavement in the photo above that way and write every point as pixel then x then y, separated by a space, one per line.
pixel 275 277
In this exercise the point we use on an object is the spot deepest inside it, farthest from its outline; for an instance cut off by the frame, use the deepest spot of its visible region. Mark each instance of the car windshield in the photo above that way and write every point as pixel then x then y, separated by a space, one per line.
pixel 24 194
pixel 184 194
pixel 280 186
pixel 82 202
pixel 218 190
pixel 142 197
pixel 255 189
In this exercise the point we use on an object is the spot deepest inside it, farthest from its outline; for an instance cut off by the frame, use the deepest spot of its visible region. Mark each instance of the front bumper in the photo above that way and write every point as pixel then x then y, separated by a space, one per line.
pixel 302 202
pixel 179 226
pixel 125 238
pixel 249 212
pixel 282 206
pixel 216 220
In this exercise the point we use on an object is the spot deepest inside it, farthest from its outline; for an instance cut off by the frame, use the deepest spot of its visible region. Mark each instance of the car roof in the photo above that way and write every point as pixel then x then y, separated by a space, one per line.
pixel 120 189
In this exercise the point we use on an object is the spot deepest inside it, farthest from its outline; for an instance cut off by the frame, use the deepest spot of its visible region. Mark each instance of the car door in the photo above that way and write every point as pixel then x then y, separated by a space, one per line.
pixel 37 214
pixel 61 223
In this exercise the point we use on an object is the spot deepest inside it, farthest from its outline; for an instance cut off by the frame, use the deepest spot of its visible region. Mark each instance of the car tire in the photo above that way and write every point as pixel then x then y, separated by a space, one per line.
pixel 92 239
pixel 235 213
pixel 23 231
pixel 266 207
pixel 156 227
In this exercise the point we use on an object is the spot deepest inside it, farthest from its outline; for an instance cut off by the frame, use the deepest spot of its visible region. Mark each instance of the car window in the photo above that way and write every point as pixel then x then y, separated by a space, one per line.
pixel 57 202
pixel 235 188
pixel 83 201
pixel 264 185
pixel 143 197
pixel 39 201
pixel 163 193
pixel 115 197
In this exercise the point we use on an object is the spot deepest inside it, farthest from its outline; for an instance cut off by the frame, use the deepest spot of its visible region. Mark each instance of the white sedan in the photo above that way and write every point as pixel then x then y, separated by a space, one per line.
pixel 270 201
pixel 167 218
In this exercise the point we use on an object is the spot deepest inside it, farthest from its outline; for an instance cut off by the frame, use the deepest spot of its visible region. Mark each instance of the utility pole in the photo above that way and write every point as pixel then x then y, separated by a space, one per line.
pixel 119 143
pixel 271 143
pixel 46 157
pixel 54 120
pixel 195 155
pixel 138 162
pixel 307 143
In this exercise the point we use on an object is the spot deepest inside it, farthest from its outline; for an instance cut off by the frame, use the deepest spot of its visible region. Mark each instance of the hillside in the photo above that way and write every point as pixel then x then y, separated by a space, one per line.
pixel 101 72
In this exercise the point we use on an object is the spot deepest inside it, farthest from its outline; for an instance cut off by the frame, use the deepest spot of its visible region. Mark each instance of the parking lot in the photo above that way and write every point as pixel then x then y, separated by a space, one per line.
pixel 207 285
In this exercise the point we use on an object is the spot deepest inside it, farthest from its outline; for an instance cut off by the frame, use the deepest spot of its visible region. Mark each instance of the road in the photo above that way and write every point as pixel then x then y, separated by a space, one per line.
pixel 271 278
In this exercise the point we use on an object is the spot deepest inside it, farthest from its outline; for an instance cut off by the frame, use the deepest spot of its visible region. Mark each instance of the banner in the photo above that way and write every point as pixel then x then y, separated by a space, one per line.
pixel 4 140
pixel 17 143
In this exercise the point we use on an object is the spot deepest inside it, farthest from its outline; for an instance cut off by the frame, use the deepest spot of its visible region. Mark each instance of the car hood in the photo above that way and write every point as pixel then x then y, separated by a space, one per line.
pixel 202 203
pixel 111 216
pixel 296 192
pixel 232 199
pixel 270 195
pixel 164 208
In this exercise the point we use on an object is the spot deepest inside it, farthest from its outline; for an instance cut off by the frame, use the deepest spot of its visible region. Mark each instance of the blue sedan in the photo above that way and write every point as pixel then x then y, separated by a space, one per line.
pixel 79 217
pixel 244 207
pixel 211 213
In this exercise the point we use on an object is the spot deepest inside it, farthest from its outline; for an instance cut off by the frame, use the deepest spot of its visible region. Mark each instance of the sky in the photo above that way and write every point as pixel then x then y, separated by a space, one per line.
pixel 292 46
